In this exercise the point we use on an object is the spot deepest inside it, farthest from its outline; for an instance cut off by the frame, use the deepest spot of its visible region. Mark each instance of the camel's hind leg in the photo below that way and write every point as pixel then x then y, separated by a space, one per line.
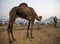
pixel 10 26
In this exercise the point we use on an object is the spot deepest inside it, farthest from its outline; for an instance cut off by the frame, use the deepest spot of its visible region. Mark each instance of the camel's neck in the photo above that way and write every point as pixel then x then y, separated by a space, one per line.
pixel 34 14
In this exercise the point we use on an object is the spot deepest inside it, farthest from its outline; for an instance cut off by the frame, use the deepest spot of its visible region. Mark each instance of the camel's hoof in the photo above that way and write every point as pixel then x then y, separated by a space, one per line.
pixel 14 39
pixel 32 37
pixel 27 36
pixel 10 41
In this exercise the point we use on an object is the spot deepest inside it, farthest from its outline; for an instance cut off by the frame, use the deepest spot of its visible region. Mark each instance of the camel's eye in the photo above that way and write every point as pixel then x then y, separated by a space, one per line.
pixel 40 16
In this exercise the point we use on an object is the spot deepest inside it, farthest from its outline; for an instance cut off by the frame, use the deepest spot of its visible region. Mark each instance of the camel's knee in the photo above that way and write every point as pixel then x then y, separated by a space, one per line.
pixel 8 31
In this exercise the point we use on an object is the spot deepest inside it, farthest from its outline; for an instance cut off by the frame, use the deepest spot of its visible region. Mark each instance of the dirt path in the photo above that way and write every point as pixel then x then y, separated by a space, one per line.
pixel 41 36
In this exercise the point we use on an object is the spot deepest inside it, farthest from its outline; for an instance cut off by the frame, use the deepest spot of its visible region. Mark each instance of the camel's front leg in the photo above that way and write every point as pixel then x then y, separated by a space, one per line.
pixel 28 29
pixel 32 22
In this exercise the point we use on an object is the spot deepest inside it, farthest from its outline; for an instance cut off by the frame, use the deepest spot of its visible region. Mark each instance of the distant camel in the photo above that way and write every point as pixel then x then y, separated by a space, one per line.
pixel 25 12
pixel 55 21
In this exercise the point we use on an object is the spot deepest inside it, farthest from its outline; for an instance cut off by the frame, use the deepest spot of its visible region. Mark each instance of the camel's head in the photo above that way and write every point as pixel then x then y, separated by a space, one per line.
pixel 40 18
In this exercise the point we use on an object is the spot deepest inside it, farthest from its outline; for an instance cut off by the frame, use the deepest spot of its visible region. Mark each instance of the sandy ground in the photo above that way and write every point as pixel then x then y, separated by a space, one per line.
pixel 42 35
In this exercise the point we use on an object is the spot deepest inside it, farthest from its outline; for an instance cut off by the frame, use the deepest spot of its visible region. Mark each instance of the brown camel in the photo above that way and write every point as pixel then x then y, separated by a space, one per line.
pixel 25 12
pixel 55 21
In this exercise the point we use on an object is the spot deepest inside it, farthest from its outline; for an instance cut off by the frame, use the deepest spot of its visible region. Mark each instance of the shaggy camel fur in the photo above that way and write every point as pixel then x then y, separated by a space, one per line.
pixel 25 12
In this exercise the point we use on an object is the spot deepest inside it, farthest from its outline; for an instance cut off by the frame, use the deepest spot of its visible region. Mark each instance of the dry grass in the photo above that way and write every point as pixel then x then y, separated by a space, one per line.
pixel 43 34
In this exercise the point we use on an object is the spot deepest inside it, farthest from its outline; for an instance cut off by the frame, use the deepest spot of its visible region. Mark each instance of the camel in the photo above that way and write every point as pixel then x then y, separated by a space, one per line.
pixel 55 21
pixel 24 12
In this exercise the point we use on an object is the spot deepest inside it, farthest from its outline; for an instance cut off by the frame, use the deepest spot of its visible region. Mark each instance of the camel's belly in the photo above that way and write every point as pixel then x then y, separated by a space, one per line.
pixel 24 15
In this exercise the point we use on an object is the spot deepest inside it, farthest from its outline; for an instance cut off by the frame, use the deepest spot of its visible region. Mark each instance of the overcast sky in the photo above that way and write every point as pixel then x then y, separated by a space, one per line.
pixel 45 8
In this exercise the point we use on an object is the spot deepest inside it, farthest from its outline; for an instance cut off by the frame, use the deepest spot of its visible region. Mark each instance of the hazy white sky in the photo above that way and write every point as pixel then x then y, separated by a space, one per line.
pixel 45 8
